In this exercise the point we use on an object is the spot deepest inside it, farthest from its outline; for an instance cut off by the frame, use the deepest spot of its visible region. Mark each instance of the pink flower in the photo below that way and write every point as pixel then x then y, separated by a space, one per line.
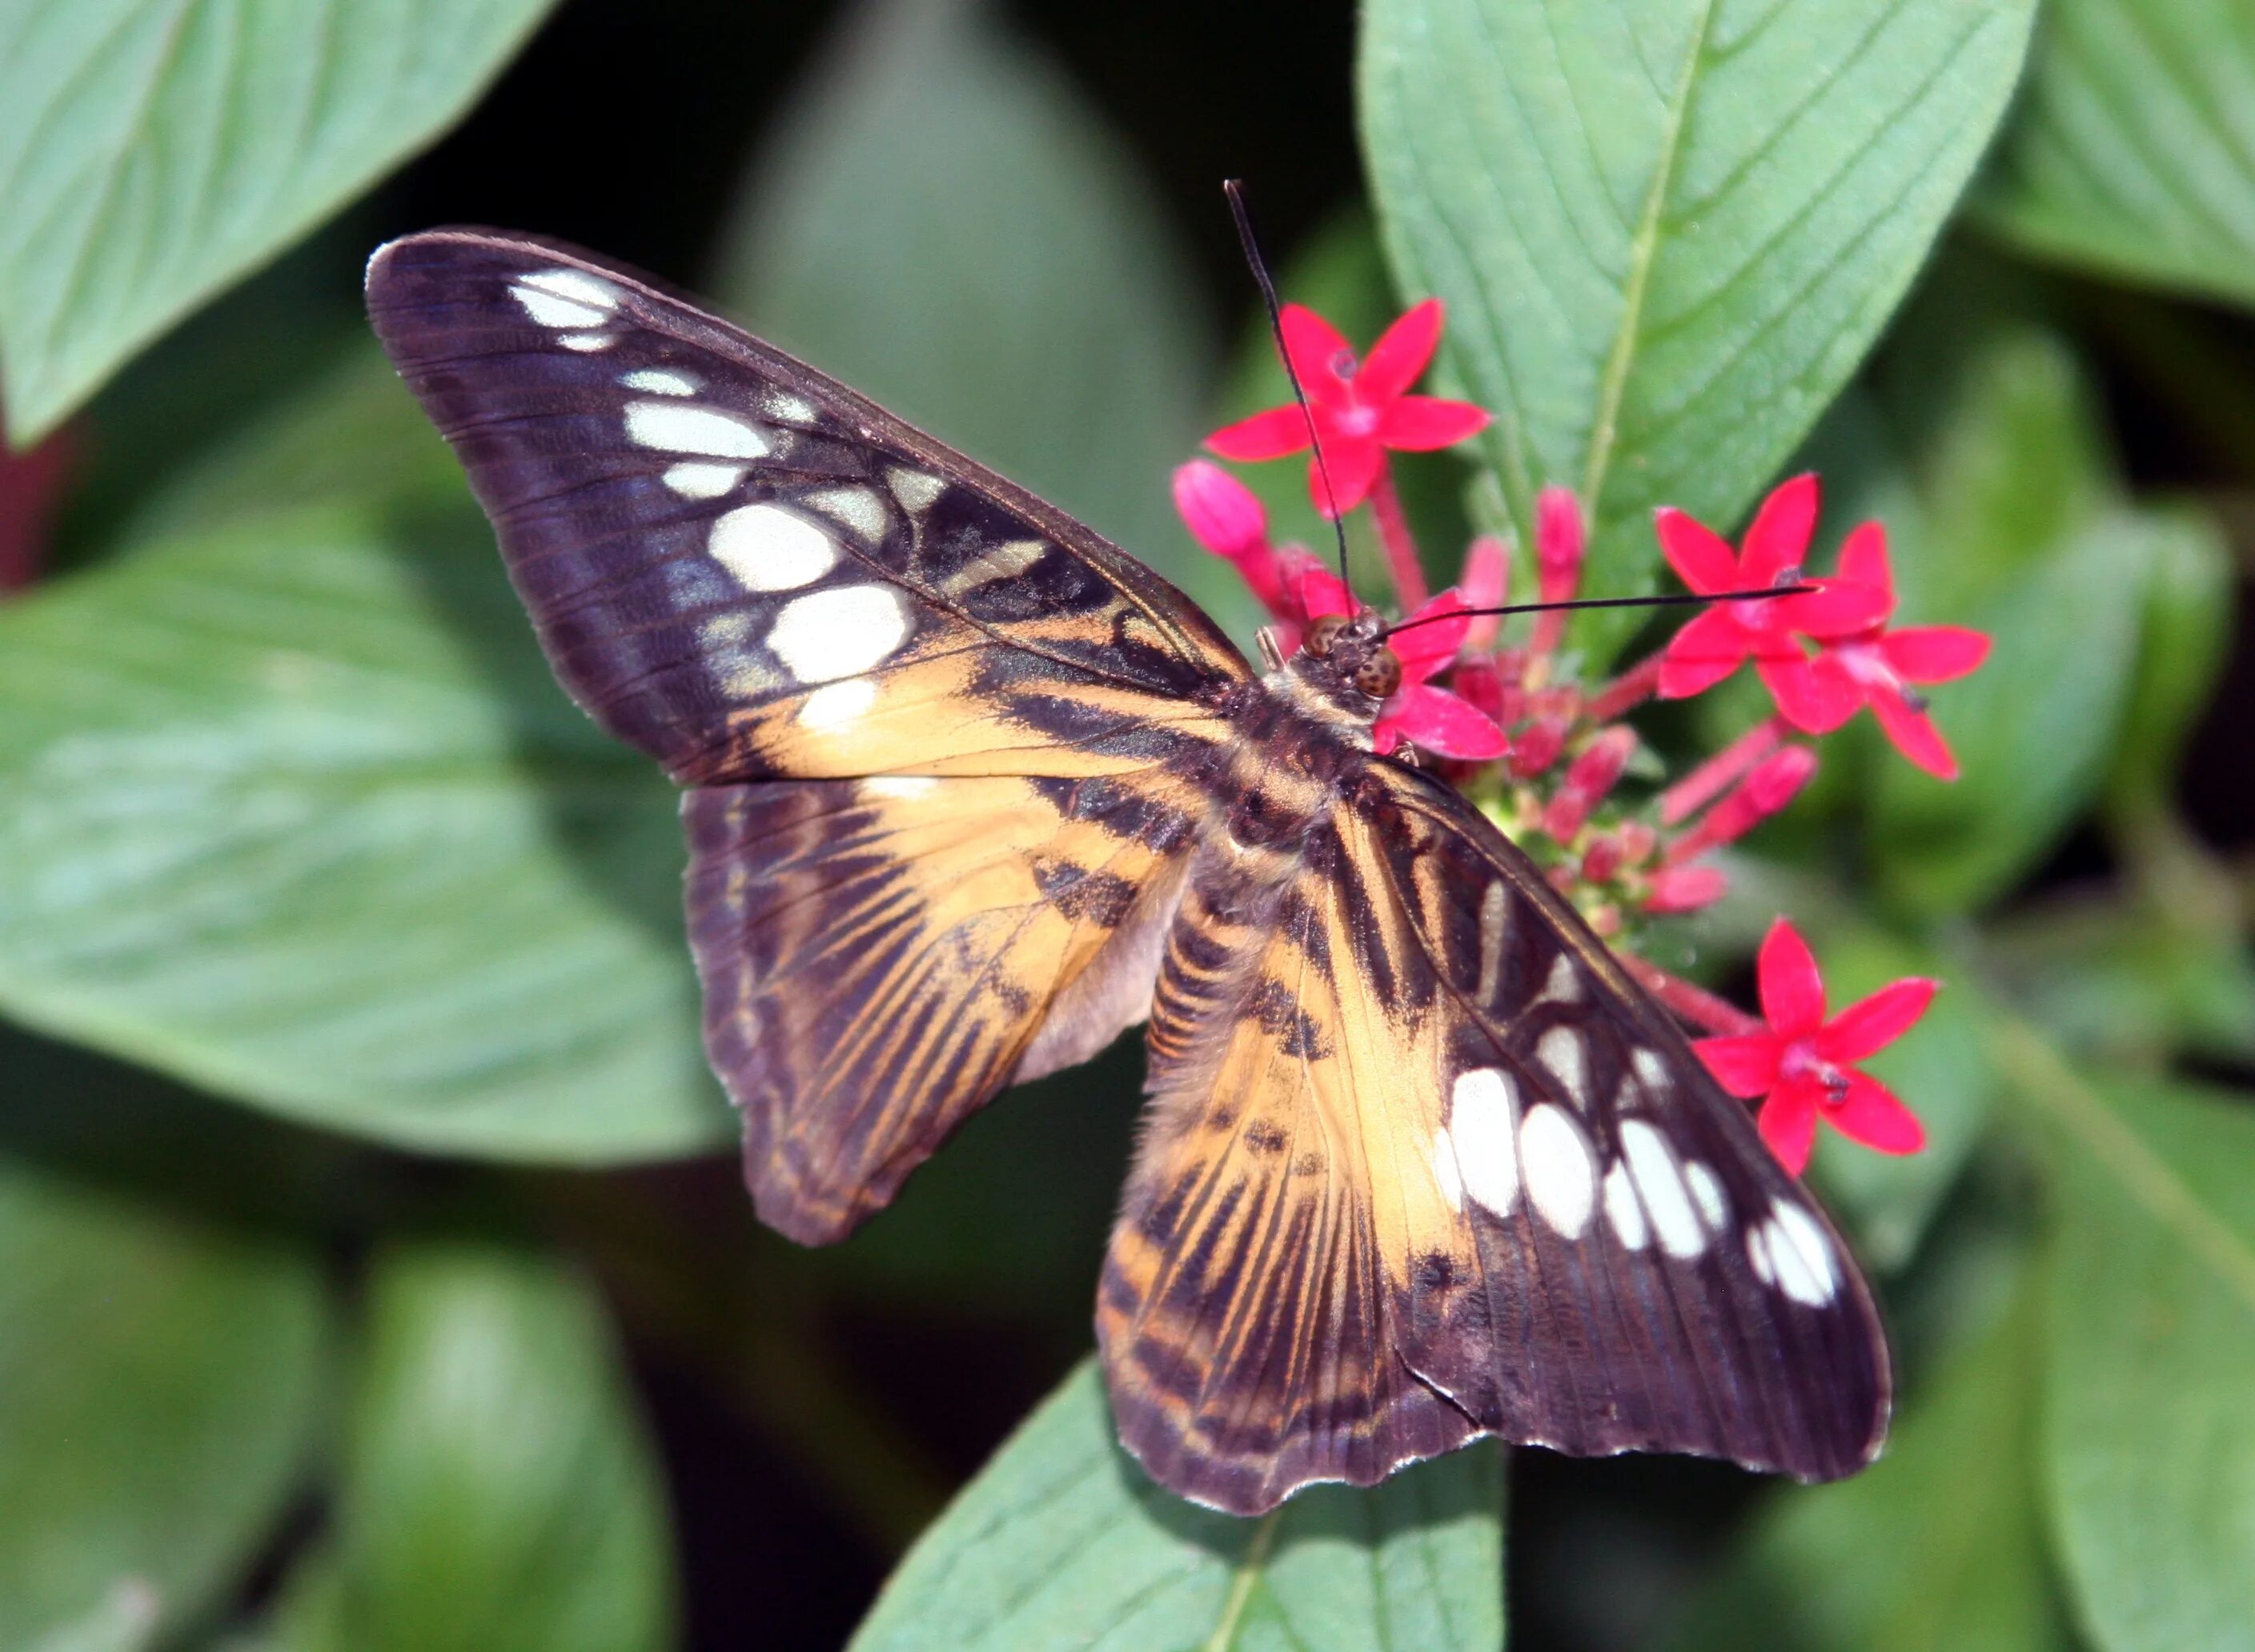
pixel 1359 409
pixel 1804 1065
pixel 1445 724
pixel 1874 666
pixel 1767 631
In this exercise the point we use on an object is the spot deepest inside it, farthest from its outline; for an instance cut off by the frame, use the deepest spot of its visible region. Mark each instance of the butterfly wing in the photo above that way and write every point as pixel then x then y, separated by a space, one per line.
pixel 1425 1164
pixel 942 741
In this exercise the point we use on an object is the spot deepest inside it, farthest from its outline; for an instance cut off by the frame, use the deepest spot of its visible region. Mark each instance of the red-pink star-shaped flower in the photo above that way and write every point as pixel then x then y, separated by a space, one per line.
pixel 1768 630
pixel 1875 666
pixel 1445 724
pixel 1360 409
pixel 1804 1065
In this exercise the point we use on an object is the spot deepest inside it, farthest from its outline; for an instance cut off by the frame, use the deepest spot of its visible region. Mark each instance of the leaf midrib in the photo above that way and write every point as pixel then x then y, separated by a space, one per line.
pixel 1644 247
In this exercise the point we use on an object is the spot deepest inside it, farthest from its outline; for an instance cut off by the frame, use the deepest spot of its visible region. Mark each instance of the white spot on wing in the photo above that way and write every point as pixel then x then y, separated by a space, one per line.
pixel 693 478
pixel 916 489
pixel 838 632
pixel 1802 1254
pixel 1495 909
pixel 898 785
pixel 792 409
pixel 838 705
pixel 858 508
pixel 586 343
pixel 1652 1166
pixel 1562 1181
pixel 574 285
pixel 1651 1068
pixel 1622 1210
pixel 766 548
pixel 1444 1168
pixel 1707 1188
pixel 679 429
pixel 1758 1254
pixel 552 311
pixel 1561 1050
pixel 1564 986
pixel 1482 1114
pixel 725 630
pixel 659 381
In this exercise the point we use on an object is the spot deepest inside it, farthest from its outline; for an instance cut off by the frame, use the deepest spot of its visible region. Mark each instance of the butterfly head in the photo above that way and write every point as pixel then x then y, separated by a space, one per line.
pixel 1345 663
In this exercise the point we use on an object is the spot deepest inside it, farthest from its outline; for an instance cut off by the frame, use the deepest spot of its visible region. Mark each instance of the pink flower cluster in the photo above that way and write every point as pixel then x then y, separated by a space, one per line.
pixel 1546 755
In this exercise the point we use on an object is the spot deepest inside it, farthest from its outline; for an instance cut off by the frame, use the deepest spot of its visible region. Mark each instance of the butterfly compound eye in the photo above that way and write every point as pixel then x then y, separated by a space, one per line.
pixel 1323 633
pixel 1380 675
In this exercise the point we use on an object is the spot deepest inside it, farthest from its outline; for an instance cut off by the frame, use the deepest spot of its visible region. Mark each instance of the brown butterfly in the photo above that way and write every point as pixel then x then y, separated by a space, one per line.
pixel 969 791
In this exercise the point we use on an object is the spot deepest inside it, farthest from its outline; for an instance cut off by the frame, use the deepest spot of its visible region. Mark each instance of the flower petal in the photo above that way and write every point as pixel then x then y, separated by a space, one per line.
pixel 1313 590
pixel 1702 654
pixel 1421 424
pixel 1443 724
pixel 1746 1067
pixel 1913 733
pixel 1686 888
pixel 1864 561
pixel 1836 608
pixel 1424 644
pixel 1816 696
pixel 1871 1113
pixel 1792 992
pixel 1269 435
pixel 1402 353
pixel 1220 511
pixel 1487 579
pixel 1778 537
pixel 1353 464
pixel 1933 653
pixel 1789 1123
pixel 1870 1024
pixel 1317 351
pixel 1700 559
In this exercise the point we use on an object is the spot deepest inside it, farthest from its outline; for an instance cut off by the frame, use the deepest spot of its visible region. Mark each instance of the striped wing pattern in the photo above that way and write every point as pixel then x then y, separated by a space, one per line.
pixel 968 791
pixel 1424 1164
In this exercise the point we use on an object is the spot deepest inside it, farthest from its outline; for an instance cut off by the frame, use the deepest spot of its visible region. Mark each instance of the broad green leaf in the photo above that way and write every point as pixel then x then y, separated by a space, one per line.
pixel 159 1374
pixel 943 224
pixel 2132 151
pixel 1062 1541
pixel 496 1493
pixel 2187 632
pixel 2150 1439
pixel 1937 1544
pixel 291 807
pixel 153 151
pixel 1941 1071
pixel 1668 229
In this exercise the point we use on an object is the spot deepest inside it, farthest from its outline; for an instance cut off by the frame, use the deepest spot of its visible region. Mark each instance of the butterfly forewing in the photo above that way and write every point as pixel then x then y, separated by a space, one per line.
pixel 1424 1164
pixel 970 790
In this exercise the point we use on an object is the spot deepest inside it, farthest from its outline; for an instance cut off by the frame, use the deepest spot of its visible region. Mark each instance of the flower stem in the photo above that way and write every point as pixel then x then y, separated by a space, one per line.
pixel 1706 782
pixel 1694 1004
pixel 1393 534
pixel 1632 687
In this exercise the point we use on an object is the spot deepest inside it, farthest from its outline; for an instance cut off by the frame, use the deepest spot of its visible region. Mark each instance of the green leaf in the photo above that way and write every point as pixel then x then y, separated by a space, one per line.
pixel 2129 153
pixel 293 809
pixel 159 1376
pixel 153 151
pixel 1668 229
pixel 2186 632
pixel 1062 1540
pixel 2149 1436
pixel 1937 1544
pixel 941 223
pixel 498 1493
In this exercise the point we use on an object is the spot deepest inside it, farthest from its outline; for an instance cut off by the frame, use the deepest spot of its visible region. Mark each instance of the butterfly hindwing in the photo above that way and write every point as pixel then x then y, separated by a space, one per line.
pixel 1472 1182
pixel 747 570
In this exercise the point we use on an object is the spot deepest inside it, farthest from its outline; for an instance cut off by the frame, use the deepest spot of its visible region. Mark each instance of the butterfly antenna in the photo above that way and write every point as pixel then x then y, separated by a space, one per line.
pixel 1681 599
pixel 1234 188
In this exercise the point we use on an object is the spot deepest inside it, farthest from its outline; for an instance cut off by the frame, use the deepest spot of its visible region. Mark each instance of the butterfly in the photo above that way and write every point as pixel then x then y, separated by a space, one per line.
pixel 969 792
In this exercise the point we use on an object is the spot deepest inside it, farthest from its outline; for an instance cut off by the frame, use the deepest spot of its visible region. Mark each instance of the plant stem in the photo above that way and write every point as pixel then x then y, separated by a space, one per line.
pixel 1394 535
pixel 1694 1004
pixel 1632 687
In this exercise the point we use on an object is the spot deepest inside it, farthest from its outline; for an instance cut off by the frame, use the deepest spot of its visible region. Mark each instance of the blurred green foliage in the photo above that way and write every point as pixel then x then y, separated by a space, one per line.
pixel 291 811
